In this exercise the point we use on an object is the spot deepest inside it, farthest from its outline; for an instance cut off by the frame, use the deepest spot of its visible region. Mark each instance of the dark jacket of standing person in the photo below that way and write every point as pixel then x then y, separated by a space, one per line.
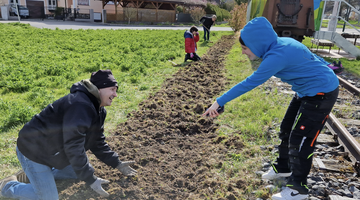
pixel 207 22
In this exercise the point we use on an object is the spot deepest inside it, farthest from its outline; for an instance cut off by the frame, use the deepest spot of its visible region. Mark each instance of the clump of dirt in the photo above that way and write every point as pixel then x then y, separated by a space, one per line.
pixel 175 148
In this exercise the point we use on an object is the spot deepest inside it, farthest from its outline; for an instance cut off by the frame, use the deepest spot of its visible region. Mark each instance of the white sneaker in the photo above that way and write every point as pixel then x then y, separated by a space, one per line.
pixel 271 175
pixel 289 194
pixel 4 181
pixel 21 177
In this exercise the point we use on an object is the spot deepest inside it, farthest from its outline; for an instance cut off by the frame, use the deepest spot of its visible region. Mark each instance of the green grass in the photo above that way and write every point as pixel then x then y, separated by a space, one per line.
pixel 250 117
pixel 223 25
pixel 254 111
pixel 340 24
pixel 107 54
pixel 353 22
pixel 352 66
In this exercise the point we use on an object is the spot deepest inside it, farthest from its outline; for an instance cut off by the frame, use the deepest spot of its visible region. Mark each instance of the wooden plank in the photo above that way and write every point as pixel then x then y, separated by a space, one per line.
pixel 320 164
pixel 326 139
pixel 333 165
pixel 337 197
pixel 173 6
pixel 116 10
pixel 157 11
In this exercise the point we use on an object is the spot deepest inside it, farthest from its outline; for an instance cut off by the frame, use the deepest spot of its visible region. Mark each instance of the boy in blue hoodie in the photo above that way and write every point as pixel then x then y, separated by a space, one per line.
pixel 316 88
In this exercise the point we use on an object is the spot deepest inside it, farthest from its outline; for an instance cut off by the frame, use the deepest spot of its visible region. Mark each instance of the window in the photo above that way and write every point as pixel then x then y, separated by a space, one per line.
pixel 83 2
pixel 14 1
pixel 51 4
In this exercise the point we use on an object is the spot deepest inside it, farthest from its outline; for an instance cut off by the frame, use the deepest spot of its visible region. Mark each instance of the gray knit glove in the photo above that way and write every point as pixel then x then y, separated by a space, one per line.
pixel 96 186
pixel 124 168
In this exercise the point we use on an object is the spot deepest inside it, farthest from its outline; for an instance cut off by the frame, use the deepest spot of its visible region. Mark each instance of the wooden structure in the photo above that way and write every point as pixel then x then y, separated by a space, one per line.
pixel 149 10
pixel 322 43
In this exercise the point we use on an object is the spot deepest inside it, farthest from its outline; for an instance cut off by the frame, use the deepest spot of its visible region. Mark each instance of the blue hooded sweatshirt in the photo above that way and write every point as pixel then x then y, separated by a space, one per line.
pixel 282 57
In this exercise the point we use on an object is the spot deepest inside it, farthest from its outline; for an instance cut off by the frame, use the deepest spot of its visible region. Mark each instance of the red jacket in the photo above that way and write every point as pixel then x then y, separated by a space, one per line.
pixel 190 42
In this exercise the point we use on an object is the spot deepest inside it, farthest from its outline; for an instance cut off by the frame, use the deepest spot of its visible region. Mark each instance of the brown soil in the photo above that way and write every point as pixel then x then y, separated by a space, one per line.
pixel 175 149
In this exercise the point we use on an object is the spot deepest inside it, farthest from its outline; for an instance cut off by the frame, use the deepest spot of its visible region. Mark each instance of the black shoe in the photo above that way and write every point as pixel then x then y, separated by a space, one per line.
pixel 187 57
pixel 300 187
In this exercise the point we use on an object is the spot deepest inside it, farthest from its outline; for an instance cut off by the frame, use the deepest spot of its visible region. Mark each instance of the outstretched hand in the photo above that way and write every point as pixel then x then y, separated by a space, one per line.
pixel 212 111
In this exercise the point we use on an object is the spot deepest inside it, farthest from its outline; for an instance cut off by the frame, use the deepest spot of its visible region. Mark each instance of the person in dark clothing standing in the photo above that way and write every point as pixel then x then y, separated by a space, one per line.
pixel 207 22
pixel 191 38
pixel 53 144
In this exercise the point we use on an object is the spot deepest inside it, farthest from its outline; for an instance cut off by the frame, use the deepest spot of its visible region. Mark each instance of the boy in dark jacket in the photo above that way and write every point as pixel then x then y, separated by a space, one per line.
pixel 53 144
pixel 207 22
pixel 191 38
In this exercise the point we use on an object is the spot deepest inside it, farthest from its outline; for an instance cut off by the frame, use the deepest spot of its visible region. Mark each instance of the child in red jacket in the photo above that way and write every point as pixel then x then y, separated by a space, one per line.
pixel 191 37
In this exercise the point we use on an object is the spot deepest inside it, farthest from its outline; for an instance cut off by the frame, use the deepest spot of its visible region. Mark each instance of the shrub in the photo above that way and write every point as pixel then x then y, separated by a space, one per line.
pixel 228 5
pixel 238 17
pixel 130 13
pixel 220 13
pixel 196 13
pixel 180 9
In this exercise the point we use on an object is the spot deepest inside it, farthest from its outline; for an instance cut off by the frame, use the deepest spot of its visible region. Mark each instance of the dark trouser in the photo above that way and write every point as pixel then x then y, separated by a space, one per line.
pixel 302 123
pixel 206 33
pixel 194 58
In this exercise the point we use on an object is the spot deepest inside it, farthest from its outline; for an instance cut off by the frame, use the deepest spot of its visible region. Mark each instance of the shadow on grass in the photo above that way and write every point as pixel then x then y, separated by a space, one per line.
pixel 204 44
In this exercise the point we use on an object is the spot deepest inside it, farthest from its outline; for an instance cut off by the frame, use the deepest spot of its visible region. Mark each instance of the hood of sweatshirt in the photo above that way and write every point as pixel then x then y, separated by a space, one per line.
pixel 259 36
pixel 89 89
pixel 188 34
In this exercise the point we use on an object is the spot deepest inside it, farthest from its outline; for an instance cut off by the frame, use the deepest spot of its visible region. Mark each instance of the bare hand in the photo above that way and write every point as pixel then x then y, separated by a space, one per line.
pixel 212 111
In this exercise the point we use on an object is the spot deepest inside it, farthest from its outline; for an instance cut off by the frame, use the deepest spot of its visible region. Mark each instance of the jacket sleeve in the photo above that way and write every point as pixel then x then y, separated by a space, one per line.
pixel 102 150
pixel 77 120
pixel 262 74
pixel 196 38
pixel 188 47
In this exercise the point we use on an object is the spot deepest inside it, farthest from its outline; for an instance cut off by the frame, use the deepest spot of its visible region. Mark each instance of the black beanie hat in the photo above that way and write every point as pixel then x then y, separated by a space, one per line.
pixel 103 79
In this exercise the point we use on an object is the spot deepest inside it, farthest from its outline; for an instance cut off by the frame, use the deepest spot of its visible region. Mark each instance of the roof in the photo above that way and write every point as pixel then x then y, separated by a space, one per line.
pixel 183 2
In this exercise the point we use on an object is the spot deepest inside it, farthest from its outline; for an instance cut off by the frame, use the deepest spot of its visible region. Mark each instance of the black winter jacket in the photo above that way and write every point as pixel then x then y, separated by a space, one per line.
pixel 61 134
pixel 207 22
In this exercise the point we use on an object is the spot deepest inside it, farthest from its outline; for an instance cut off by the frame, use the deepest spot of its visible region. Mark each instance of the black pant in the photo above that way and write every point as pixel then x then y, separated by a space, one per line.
pixel 302 123
pixel 194 58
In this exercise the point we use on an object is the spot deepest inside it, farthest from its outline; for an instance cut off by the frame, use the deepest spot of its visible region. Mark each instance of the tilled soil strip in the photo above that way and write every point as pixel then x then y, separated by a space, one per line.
pixel 175 148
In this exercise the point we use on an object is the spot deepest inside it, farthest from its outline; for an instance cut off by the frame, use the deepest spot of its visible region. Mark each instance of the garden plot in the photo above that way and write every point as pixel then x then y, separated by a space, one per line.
pixel 175 149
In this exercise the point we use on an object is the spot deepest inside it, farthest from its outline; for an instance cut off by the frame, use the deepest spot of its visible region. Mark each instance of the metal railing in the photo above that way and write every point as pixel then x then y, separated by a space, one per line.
pixel 337 15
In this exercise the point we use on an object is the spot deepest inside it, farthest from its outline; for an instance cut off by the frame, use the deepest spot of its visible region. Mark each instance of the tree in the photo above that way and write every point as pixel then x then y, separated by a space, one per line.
pixel 130 13
pixel 238 17
pixel 196 13
pixel 227 4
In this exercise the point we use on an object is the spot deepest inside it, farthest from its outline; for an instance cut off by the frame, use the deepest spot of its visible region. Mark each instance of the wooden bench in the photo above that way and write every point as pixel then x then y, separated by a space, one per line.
pixel 351 35
pixel 323 43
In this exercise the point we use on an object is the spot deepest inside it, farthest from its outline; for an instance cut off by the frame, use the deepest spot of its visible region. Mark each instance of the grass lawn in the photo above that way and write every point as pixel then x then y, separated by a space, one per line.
pixel 250 117
pixel 107 52
pixel 340 24
pixel 352 66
